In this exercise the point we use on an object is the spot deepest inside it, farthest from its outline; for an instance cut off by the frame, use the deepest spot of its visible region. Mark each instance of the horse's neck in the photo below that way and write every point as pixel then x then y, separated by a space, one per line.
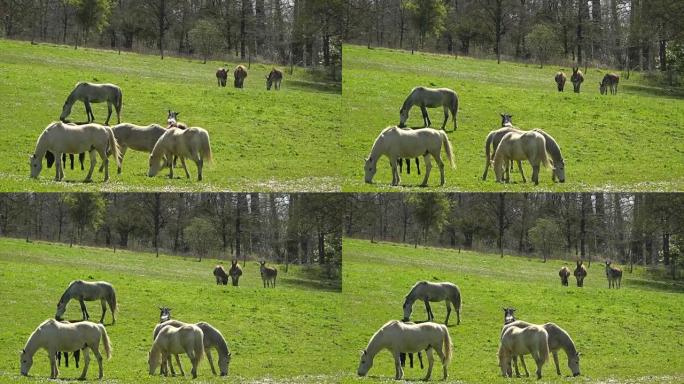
pixel 34 343
pixel 41 145
pixel 408 103
pixel 377 150
pixel 563 339
pixel 376 344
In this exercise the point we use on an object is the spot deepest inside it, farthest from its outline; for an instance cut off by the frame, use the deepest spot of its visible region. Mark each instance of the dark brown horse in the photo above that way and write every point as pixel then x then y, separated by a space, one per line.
pixel 235 272
pixel 560 80
pixel 614 276
pixel 577 78
pixel 564 274
pixel 580 273
pixel 610 81
pixel 221 77
pixel 408 165
pixel 220 275
pixel 274 78
pixel 239 74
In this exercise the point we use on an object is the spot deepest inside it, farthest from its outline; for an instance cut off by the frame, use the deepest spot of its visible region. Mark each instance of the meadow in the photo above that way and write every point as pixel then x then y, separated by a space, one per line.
pixel 284 334
pixel 261 140
pixel 629 142
pixel 628 335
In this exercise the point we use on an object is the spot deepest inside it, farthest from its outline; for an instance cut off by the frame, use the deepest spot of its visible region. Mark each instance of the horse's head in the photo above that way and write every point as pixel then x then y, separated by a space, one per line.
pixel 559 171
pixel 369 169
pixel 365 363
pixel 573 363
pixel 408 308
pixel 403 116
pixel 172 118
pixel 164 314
pixel 506 119
pixel 153 361
pixel 603 88
pixel 66 111
pixel 224 363
pixel 509 316
pixel 155 165
pixel 36 165
pixel 269 82
pixel 25 361
pixel 61 308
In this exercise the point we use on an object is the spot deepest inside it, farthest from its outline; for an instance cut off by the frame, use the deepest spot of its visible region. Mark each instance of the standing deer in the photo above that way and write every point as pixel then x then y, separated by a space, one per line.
pixel 614 276
pixel 268 275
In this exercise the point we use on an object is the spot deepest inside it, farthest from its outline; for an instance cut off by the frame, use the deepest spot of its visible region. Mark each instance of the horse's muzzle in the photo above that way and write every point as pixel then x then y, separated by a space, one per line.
pixel 575 374
pixel 405 319
pixel 562 181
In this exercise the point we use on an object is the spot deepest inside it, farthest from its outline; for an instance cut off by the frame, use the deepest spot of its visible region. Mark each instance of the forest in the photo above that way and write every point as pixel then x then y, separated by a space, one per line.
pixel 287 32
pixel 646 35
pixel 641 229
pixel 282 228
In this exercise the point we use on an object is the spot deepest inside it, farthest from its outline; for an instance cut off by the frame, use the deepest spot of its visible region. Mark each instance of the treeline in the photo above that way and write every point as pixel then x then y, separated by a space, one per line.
pixel 644 229
pixel 288 32
pixel 281 228
pixel 628 34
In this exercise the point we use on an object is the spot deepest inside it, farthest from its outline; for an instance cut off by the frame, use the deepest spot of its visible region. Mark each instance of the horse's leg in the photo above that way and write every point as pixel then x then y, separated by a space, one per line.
pixel 535 174
pixel 431 362
pixel 84 310
pixel 426 118
pixel 86 363
pixel 428 167
pixel 54 371
pixel 555 360
pixel 211 361
pixel 427 309
pixel 180 366
pixel 399 372
pixel 420 359
pixel 448 308
pixel 440 164
pixel 540 362
pixel 58 167
pixel 446 117
pixel 515 366
pixel 109 112
pixel 105 163
pixel 417 165
pixel 393 165
pixel 104 310
pixel 93 161
pixel 520 168
pixel 522 361
pixel 200 165
pixel 442 358
pixel 98 356
pixel 185 168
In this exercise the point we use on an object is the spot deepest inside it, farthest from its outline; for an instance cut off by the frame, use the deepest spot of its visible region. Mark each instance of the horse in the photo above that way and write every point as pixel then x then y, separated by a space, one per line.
pixel 564 274
pixel 220 275
pixel 557 160
pixel 610 80
pixel 529 146
pixel 212 339
pixel 94 93
pixel 427 292
pixel 76 354
pixel 137 137
pixel 235 272
pixel 222 77
pixel 577 78
pixel 268 275
pixel 54 336
pixel 402 359
pixel 274 78
pixel 558 339
pixel 164 314
pixel 395 143
pixel 494 138
pixel 560 80
pixel 408 165
pixel 239 74
pixel 192 143
pixel 88 291
pixel 50 159
pixel 580 273
pixel 515 341
pixel 430 98
pixel 187 339
pixel 59 138
pixel 397 337
pixel 614 275
pixel 172 121
pixel 509 315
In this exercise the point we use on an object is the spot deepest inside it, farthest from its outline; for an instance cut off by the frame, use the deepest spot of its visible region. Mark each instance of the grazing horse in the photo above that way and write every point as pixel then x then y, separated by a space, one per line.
pixel 88 291
pixel 274 78
pixel 530 146
pixel 398 337
pixel 212 339
pixel 239 74
pixel 564 274
pixel 221 77
pixel 396 143
pixel 577 78
pixel 430 98
pixel 494 138
pixel 235 272
pixel 136 137
pixel 580 273
pixel 220 275
pixel 188 339
pixel 54 336
pixel 557 160
pixel 610 80
pixel 614 275
pixel 192 143
pixel 59 138
pixel 268 275
pixel 519 341
pixel 560 80
pixel 94 93
pixel 434 292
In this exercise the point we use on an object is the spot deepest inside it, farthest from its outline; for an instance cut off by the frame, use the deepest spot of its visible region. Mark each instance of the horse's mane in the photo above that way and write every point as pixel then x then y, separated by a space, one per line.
pixel 221 344
pixel 569 347
pixel 552 146
pixel 413 288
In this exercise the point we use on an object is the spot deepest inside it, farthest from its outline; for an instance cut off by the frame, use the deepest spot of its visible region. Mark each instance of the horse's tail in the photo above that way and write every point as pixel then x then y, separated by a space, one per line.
pixel 118 100
pixel 447 345
pixel 544 348
pixel 454 110
pixel 112 300
pixel 205 150
pixel 541 150
pixel 105 341
pixel 198 346
pixel 489 142
pixel 447 148
pixel 114 146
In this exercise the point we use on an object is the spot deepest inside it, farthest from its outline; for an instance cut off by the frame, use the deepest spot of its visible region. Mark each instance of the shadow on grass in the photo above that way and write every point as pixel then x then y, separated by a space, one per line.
pixel 324 87
pixel 675 93
pixel 314 277
pixel 666 286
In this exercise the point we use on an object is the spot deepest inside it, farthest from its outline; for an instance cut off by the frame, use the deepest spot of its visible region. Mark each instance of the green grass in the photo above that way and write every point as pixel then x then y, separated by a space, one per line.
pixel 625 336
pixel 262 141
pixel 630 142
pixel 281 334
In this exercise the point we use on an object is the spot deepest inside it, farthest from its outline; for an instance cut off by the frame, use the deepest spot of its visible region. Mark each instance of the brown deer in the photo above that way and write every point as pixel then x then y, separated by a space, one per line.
pixel 580 273
pixel 614 276
pixel 268 275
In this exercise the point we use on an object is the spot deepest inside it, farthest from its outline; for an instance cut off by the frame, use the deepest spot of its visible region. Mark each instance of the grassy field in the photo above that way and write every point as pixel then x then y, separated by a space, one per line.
pixel 278 334
pixel 624 336
pixel 629 142
pixel 262 141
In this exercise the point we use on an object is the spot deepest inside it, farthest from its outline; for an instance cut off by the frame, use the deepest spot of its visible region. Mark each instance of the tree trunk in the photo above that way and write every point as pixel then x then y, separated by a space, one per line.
pixel 501 216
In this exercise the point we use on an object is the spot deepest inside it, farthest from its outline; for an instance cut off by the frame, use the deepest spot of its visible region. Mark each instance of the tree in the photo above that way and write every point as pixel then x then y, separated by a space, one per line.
pixel 91 15
pixel 543 42
pixel 201 236
pixel 86 210
pixel 431 211
pixel 427 16
pixel 205 37
pixel 544 235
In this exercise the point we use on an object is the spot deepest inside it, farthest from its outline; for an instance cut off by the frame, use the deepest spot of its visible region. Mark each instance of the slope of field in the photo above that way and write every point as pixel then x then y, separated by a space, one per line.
pixel 272 333
pixel 284 141
pixel 629 142
pixel 624 336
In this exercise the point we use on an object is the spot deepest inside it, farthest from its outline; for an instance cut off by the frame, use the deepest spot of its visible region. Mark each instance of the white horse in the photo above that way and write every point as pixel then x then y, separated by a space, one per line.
pixel 519 341
pixel 427 292
pixel 192 143
pixel 186 339
pixel 397 143
pixel 529 146
pixel 88 291
pixel 212 339
pixel 398 337
pixel 139 138
pixel 558 339
pixel 55 336
pixel 430 98
pixel 94 93
pixel 61 138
